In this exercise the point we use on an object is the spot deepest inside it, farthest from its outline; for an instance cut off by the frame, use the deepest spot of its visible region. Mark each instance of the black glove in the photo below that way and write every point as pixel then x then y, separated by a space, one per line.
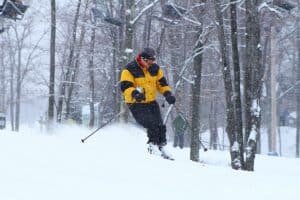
pixel 138 96
pixel 169 97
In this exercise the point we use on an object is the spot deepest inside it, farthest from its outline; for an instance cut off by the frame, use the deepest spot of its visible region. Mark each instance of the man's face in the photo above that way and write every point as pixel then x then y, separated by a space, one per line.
pixel 149 62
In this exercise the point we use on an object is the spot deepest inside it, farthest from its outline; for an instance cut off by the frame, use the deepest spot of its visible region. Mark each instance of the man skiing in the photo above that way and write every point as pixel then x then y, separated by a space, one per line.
pixel 179 127
pixel 140 80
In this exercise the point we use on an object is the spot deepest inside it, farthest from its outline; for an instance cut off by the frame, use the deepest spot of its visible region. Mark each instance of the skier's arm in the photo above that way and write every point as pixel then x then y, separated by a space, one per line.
pixel 162 84
pixel 127 83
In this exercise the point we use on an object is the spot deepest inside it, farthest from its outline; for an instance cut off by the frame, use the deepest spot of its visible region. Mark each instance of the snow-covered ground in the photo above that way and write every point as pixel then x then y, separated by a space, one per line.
pixel 114 164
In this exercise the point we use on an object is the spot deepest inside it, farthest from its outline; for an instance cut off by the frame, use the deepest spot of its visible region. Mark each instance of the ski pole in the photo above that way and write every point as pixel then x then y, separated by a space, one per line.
pixel 204 147
pixel 106 123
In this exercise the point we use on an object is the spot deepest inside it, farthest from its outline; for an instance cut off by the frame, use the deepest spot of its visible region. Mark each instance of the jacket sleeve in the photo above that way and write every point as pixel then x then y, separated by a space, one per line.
pixel 127 83
pixel 162 84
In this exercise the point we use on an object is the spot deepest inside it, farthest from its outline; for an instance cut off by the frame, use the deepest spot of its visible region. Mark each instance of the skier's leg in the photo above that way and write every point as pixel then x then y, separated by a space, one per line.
pixel 175 140
pixel 158 123
pixel 181 140
pixel 152 133
pixel 144 116
pixel 162 134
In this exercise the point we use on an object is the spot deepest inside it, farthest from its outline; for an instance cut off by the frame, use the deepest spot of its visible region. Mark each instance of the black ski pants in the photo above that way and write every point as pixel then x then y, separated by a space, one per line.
pixel 148 115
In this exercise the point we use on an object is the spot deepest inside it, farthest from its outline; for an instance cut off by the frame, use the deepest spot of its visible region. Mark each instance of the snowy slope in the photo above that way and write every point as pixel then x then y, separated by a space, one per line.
pixel 114 164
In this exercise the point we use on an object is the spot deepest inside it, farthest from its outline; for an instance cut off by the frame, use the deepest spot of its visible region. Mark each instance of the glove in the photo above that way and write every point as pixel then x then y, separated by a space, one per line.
pixel 138 96
pixel 169 97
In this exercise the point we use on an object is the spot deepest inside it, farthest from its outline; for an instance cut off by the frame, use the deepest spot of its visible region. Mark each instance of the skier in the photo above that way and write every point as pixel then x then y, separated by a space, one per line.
pixel 179 127
pixel 140 80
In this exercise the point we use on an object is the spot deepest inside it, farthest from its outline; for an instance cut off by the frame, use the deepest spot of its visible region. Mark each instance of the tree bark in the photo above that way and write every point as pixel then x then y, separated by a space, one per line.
pixel 11 87
pixel 230 129
pixel 253 82
pixel 298 87
pixel 18 80
pixel 196 88
pixel 119 105
pixel 213 125
pixel 2 81
pixel 237 82
pixel 147 28
pixel 51 101
pixel 128 48
pixel 274 75
pixel 92 77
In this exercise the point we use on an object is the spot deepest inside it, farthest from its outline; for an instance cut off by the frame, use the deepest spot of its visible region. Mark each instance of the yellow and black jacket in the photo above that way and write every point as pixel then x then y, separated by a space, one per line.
pixel 134 76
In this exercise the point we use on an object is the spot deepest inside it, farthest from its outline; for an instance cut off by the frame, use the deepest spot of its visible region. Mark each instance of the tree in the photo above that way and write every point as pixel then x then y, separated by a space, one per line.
pixel 196 88
pixel 230 111
pixel 253 82
pixel 74 74
pixel 298 88
pixel 51 101
pixel 2 80
pixel 66 76
pixel 237 80
pixel 91 76
pixel 128 43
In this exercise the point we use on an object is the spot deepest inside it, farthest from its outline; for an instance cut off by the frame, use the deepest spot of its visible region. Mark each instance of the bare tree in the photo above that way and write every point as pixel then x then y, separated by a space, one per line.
pixel 253 82
pixel 128 44
pixel 12 62
pixel 298 90
pixel 75 70
pixel 230 113
pixel 92 76
pixel 51 101
pixel 2 80
pixel 66 76
pixel 196 88
pixel 237 82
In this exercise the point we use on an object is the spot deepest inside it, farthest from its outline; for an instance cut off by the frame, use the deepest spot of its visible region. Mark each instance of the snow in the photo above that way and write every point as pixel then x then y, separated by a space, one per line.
pixel 255 108
pixel 114 164
pixel 235 147
pixel 253 134
pixel 127 50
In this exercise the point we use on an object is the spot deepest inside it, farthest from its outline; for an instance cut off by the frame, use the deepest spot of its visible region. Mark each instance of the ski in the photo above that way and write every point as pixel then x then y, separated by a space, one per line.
pixel 167 157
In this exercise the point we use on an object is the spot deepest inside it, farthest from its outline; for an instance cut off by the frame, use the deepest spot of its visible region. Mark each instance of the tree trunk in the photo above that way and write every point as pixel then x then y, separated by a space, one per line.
pixel 196 88
pixel 237 82
pixel 115 70
pixel 234 147
pixel 2 82
pixel 119 105
pixel 51 101
pixel 92 78
pixel 128 50
pixel 11 85
pixel 253 82
pixel 267 80
pixel 274 72
pixel 147 28
pixel 213 124
pixel 18 89
pixel 298 87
